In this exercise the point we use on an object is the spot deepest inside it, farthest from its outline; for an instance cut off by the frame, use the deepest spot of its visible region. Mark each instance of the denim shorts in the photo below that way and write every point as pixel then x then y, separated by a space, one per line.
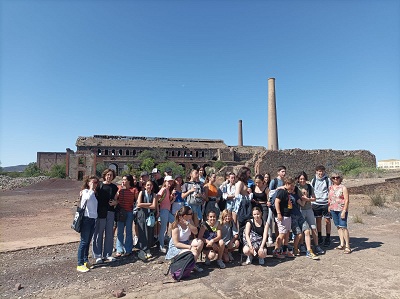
pixel 299 224
pixel 337 219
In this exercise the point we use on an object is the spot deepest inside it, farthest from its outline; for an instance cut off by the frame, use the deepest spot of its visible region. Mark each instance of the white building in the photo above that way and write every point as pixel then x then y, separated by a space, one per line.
pixel 389 164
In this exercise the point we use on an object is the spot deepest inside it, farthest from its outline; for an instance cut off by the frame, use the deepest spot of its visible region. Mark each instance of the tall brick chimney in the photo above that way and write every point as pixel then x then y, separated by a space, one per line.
pixel 240 134
pixel 272 119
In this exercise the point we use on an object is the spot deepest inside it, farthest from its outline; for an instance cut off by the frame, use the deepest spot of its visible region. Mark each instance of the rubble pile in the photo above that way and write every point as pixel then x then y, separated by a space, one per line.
pixel 9 183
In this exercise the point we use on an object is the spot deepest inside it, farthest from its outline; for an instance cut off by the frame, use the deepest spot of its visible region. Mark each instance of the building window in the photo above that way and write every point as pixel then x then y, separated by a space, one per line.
pixel 127 153
pixel 172 153
pixel 120 152
pixel 202 154
pixel 167 153
pixel 134 152
pixel 179 153
pixel 99 152
pixel 113 152
pixel 81 161
pixel 197 154
pixel 106 152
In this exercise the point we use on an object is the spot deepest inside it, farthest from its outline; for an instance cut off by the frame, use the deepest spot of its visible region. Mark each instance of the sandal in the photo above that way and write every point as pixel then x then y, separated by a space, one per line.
pixel 347 250
pixel 340 247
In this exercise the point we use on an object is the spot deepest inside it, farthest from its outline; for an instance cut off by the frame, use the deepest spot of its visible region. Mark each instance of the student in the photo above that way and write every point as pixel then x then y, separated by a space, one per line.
pixel 193 194
pixel 88 198
pixel 164 197
pixel 103 237
pixel 241 192
pixel 321 185
pixel 283 211
pixel 274 185
pixel 210 234
pixel 202 175
pixel 255 237
pixel 212 195
pixel 146 204
pixel 177 201
pixel 338 202
pixel 306 210
pixel 229 234
pixel 228 192
pixel 299 225
pixel 127 195
pixel 260 196
pixel 182 230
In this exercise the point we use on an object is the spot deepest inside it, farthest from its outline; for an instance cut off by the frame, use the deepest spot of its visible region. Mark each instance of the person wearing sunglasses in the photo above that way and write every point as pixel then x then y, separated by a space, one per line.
pixel 338 205
pixel 182 230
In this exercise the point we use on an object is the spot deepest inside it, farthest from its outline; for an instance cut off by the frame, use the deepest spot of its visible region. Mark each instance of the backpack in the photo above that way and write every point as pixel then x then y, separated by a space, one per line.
pixel 181 265
pixel 272 194
pixel 244 212
pixel 326 181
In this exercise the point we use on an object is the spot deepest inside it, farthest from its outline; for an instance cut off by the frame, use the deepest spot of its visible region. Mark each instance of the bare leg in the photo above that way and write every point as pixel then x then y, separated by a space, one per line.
pixel 328 225
pixel 346 237
pixel 307 239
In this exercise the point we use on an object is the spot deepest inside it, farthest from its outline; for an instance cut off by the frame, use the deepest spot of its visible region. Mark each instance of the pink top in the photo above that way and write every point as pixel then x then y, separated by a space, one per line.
pixel 336 198
pixel 164 201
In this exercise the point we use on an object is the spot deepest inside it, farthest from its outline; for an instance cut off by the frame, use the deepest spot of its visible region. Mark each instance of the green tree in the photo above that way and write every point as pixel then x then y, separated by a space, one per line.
pixel 156 155
pixel 58 171
pixel 350 164
pixel 32 170
pixel 147 164
pixel 176 168
pixel 219 164
pixel 100 167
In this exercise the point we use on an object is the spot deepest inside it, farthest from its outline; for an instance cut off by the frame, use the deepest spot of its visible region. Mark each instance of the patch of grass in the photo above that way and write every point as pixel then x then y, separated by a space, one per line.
pixel 357 219
pixel 368 211
pixel 377 200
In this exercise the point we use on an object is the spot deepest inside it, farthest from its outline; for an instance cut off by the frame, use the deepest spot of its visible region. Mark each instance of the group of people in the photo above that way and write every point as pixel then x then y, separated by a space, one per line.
pixel 197 215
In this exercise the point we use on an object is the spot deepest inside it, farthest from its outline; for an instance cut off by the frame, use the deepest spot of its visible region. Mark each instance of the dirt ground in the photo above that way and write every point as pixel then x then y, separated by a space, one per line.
pixel 38 252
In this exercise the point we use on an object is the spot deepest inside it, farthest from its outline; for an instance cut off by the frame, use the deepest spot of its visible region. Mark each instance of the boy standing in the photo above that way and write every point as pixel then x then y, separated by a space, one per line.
pixel 282 212
pixel 321 185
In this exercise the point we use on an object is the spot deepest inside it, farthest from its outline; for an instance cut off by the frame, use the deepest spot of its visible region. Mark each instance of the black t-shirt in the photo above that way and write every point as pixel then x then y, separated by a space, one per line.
pixel 105 192
pixel 285 204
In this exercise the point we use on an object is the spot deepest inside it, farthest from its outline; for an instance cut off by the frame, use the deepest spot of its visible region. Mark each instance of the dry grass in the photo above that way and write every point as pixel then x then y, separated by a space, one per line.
pixel 357 219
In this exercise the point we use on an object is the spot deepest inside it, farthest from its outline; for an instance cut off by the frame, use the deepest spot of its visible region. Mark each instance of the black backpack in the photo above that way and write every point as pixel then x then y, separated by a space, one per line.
pixel 244 212
pixel 181 265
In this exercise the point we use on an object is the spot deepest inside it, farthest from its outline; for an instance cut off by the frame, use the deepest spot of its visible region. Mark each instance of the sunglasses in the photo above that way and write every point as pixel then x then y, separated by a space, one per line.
pixel 335 177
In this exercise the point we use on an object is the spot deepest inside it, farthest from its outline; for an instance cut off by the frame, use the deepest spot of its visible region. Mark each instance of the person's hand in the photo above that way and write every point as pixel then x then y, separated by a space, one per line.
pixel 343 214
pixel 279 217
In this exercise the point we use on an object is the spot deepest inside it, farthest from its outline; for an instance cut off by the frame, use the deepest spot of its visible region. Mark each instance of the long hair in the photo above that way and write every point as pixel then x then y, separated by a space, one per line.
pixel 180 213
pixel 242 174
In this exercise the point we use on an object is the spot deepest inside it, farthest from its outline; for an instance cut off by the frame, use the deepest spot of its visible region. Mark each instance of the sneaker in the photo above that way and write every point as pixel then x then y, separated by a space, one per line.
pixel 303 249
pixel 289 254
pixel 311 255
pixel 99 260
pixel 320 240
pixel 149 255
pixel 142 255
pixel 135 240
pixel 163 250
pixel 327 242
pixel 319 250
pixel 277 254
pixel 296 252
pixel 197 268
pixel 270 241
pixel 207 262
pixel 249 260
pixel 221 264
pixel 82 268
pixel 111 259
pixel 261 261
pixel 88 265
pixel 230 256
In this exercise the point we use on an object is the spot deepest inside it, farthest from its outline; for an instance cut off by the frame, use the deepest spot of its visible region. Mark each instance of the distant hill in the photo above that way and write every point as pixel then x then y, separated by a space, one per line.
pixel 17 168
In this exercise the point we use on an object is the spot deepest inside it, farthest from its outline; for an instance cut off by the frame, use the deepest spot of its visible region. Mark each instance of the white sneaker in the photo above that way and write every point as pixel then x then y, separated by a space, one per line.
pixel 270 241
pixel 135 240
pixel 221 264
pixel 99 260
pixel 163 250
pixel 207 262
pixel 249 260
pixel 230 256
pixel 111 259
pixel 261 261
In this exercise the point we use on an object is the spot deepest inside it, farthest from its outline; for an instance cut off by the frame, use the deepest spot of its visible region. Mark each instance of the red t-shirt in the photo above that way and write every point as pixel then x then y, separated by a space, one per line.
pixel 126 198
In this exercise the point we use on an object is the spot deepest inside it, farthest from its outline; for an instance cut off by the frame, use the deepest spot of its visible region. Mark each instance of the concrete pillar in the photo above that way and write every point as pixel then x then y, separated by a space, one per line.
pixel 272 119
pixel 240 134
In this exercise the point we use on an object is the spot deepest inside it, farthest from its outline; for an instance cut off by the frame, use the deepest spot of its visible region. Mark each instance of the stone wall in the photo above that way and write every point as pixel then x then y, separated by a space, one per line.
pixel 46 160
pixel 297 160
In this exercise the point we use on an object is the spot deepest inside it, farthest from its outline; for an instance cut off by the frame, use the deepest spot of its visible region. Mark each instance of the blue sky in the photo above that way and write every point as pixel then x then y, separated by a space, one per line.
pixel 192 69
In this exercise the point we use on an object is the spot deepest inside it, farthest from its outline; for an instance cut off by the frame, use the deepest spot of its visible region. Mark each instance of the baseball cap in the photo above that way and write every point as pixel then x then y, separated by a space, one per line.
pixel 168 169
pixel 144 173
pixel 155 170
pixel 168 178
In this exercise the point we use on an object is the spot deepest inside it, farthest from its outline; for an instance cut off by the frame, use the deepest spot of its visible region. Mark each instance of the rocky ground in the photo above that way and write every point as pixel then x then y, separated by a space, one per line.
pixel 38 257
